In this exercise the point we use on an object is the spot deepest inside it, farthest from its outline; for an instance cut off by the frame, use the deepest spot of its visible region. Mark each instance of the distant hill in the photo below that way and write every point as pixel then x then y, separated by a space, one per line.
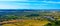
pixel 24 11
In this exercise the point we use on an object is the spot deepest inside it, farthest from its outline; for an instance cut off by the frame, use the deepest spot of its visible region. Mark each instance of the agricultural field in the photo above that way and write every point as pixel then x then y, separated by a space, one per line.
pixel 28 23
pixel 30 18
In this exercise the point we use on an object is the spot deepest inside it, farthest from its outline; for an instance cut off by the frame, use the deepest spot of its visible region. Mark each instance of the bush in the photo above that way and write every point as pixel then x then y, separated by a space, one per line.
pixel 56 23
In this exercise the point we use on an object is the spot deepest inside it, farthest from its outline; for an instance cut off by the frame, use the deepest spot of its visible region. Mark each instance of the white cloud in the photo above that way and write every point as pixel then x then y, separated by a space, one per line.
pixel 51 2
pixel 4 6
pixel 13 0
pixel 13 6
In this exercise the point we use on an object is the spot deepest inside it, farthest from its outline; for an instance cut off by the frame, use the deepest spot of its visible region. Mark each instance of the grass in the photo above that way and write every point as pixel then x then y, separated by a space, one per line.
pixel 28 23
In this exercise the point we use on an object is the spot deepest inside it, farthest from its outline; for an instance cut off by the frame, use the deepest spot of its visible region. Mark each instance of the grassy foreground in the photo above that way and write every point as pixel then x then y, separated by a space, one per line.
pixel 28 23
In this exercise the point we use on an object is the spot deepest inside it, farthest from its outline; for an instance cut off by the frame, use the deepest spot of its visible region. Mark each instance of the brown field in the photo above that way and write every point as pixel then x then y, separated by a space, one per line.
pixel 26 23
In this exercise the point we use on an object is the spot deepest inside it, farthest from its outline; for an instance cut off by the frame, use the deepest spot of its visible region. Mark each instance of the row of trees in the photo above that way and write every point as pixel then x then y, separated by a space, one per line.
pixel 14 17
pixel 8 17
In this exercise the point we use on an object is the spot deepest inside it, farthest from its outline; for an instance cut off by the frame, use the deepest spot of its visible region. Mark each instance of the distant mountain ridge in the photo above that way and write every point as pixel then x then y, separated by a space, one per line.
pixel 17 10
pixel 22 10
pixel 25 9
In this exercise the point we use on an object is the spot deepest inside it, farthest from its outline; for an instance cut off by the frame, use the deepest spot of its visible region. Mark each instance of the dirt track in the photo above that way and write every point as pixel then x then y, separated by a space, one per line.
pixel 11 21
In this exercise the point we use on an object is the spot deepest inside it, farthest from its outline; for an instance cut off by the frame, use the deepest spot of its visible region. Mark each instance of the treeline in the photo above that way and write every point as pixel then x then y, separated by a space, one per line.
pixel 14 17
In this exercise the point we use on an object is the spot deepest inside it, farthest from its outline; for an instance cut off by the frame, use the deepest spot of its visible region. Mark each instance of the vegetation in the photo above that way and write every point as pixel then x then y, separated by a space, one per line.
pixel 56 23
pixel 28 23
pixel 34 18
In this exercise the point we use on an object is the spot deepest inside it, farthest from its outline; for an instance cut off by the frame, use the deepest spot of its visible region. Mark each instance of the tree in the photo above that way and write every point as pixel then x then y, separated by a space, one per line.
pixel 56 23
pixel 32 15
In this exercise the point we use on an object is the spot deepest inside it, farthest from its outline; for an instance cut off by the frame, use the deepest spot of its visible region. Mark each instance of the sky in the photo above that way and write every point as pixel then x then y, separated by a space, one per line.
pixel 29 4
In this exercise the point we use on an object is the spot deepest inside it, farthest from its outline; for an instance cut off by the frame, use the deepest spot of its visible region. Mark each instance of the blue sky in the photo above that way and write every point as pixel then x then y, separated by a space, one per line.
pixel 29 4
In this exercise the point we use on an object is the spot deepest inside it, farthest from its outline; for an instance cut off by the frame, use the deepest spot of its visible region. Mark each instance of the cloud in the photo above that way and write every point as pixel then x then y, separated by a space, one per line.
pixel 13 0
pixel 28 5
pixel 53 2
pixel 13 6
pixel 3 6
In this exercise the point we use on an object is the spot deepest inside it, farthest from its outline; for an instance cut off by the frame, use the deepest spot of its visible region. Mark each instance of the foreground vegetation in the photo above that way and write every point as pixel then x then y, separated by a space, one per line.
pixel 28 23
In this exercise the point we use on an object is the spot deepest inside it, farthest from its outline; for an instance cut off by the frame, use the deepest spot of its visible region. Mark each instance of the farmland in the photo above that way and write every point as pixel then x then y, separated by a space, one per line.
pixel 30 17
